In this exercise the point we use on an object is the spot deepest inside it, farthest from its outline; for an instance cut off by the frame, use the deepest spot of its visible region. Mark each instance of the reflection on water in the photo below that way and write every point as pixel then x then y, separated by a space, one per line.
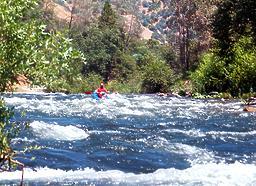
pixel 135 140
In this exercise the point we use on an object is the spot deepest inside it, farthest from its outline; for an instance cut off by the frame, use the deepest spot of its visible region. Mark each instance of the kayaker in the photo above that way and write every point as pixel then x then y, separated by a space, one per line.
pixel 101 91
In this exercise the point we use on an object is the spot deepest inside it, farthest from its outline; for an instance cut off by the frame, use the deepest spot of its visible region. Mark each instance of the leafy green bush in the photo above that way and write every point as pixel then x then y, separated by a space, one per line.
pixel 124 67
pixel 234 76
pixel 225 95
pixel 157 76
pixel 242 71
pixel 133 85
pixel 17 46
pixel 180 85
pixel 57 63
pixel 91 82
pixel 8 131
pixel 26 48
pixel 210 76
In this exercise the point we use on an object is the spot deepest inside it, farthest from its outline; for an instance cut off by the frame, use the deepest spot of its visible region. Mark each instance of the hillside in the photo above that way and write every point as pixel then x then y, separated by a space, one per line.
pixel 62 10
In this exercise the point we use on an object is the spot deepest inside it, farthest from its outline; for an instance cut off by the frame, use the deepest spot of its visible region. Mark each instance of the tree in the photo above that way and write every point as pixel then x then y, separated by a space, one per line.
pixel 130 19
pixel 211 75
pixel 234 27
pixel 187 27
pixel 242 70
pixel 125 67
pixel 101 44
pixel 16 36
pixel 215 74
pixel 233 20
pixel 100 48
pixel 82 13
pixel 108 17
pixel 26 48
pixel 157 75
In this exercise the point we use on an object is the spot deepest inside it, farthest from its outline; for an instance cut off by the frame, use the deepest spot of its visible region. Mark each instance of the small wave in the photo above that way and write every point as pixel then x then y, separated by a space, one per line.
pixel 228 133
pixel 193 154
pixel 56 132
pixel 198 133
pixel 105 132
pixel 25 139
pixel 200 174
pixel 192 132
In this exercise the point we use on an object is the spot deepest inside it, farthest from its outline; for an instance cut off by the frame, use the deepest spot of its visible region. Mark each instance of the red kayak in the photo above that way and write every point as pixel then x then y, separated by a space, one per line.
pixel 88 92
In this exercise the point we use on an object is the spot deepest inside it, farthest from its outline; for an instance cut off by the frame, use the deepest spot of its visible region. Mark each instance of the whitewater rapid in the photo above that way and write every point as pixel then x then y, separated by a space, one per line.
pixel 134 140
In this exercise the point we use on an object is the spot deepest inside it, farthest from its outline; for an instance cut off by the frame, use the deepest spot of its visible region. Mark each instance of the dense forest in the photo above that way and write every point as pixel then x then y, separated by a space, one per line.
pixel 196 46
pixel 209 44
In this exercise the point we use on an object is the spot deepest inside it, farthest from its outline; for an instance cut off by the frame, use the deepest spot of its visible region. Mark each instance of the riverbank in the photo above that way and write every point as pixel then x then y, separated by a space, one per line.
pixel 23 85
pixel 250 108
pixel 27 89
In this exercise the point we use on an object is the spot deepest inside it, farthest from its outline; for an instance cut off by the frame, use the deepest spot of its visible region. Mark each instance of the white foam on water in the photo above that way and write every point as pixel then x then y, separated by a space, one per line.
pixel 192 132
pixel 147 104
pixel 105 132
pixel 48 105
pixel 199 174
pixel 116 105
pixel 17 102
pixel 52 106
pixel 214 134
pixel 57 132
pixel 25 139
pixel 193 154
pixel 228 133
pixel 133 111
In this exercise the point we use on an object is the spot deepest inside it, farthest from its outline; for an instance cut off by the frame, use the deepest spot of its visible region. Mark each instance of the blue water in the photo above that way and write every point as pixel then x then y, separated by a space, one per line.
pixel 134 140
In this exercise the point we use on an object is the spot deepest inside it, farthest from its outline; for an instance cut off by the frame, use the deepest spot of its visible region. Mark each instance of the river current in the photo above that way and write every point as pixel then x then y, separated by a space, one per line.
pixel 133 140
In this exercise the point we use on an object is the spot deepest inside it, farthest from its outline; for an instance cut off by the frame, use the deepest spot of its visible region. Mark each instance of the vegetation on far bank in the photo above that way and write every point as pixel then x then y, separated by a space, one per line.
pixel 75 55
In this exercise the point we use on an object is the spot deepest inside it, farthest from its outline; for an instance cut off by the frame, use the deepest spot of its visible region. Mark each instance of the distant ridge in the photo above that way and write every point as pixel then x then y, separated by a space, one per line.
pixel 62 11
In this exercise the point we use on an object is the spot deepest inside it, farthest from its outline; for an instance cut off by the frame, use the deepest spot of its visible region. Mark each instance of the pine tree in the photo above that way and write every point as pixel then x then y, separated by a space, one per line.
pixel 233 20
pixel 108 17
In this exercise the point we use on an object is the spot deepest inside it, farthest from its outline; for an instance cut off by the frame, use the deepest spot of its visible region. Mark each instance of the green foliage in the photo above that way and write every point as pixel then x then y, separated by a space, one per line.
pixel 130 86
pixel 211 75
pixel 25 48
pixel 236 77
pixel 233 20
pixel 108 17
pixel 124 64
pixel 242 71
pixel 17 39
pixel 182 87
pixel 8 131
pixel 143 49
pixel 164 51
pixel 100 48
pixel 158 76
pixel 125 67
pixel 91 82
pixel 57 63
pixel 5 135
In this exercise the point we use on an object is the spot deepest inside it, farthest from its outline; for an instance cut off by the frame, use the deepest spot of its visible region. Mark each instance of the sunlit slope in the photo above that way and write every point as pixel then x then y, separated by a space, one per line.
pixel 62 10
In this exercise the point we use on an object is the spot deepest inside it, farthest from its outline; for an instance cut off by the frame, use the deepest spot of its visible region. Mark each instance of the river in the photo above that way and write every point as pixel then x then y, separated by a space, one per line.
pixel 133 140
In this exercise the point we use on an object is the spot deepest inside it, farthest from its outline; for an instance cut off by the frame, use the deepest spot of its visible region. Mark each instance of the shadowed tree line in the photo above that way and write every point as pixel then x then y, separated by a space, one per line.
pixel 100 40
pixel 231 66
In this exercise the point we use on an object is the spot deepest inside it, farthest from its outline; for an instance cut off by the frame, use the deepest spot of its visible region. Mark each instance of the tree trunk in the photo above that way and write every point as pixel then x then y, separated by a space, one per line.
pixel 187 50
pixel 71 18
